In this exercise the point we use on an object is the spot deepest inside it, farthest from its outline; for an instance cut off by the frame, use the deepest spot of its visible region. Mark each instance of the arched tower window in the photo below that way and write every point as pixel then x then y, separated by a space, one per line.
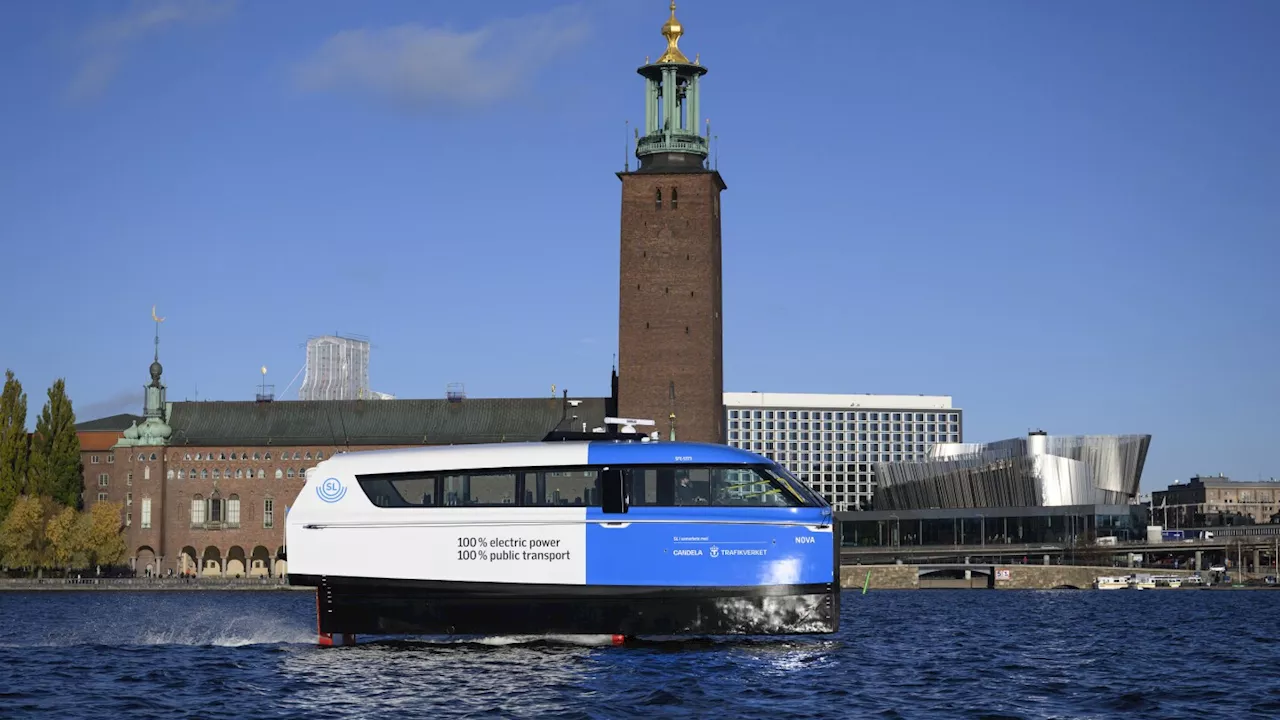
pixel 675 198
pixel 657 198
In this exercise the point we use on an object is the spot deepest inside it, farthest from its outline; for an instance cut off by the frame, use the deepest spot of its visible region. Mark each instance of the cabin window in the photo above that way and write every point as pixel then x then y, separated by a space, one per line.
pixel 660 486
pixel 572 487
pixel 480 489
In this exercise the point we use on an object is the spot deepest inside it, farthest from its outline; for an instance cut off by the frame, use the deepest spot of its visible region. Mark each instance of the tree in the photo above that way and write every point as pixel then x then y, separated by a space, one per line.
pixel 67 532
pixel 23 541
pixel 103 534
pixel 56 470
pixel 14 443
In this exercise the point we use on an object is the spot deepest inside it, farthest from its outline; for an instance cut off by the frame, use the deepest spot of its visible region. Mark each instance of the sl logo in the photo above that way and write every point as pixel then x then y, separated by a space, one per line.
pixel 331 490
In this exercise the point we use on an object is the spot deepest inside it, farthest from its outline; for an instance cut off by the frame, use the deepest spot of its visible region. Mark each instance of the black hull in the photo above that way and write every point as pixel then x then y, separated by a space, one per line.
pixel 360 606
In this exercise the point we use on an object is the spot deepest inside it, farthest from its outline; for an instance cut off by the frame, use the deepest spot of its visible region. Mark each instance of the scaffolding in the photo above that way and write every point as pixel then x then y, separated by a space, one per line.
pixel 337 369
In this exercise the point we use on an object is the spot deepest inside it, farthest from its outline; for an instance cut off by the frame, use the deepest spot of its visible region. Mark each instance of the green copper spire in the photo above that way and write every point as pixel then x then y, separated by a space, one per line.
pixel 671 139
pixel 153 430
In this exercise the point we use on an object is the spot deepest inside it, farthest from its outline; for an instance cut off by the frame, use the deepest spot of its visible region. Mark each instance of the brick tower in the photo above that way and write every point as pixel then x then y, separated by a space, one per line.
pixel 670 338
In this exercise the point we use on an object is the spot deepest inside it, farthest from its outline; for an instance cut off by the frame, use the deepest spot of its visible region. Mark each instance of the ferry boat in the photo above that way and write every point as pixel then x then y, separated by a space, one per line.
pixel 584 536
pixel 1111 583
pixel 1142 582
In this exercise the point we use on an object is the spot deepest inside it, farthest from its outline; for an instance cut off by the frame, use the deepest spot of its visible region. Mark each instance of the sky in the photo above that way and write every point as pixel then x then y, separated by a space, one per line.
pixel 1063 215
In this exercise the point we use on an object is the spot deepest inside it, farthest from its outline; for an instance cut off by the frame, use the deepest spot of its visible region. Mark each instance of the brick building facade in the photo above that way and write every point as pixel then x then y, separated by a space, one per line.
pixel 212 499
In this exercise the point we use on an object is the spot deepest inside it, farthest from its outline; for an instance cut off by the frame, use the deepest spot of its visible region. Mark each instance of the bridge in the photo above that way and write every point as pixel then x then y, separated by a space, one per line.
pixel 1262 550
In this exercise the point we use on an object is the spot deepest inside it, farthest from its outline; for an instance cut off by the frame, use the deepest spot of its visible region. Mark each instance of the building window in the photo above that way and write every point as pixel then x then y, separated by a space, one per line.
pixel 674 198
pixel 102 497
pixel 103 479
pixel 170 474
pixel 290 472
pixel 197 510
pixel 256 456
pixel 319 454
pixel 268 513
pixel 182 474
pixel 657 198
pixel 128 499
pixel 146 513
pixel 215 510
pixel 233 511
pixel 146 473
pixel 93 459
pixel 279 473
pixel 111 458
pixel 308 455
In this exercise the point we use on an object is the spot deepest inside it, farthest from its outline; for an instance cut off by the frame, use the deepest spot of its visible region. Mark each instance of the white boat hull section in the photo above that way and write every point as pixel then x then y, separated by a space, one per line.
pixel 542 546
pixel 334 529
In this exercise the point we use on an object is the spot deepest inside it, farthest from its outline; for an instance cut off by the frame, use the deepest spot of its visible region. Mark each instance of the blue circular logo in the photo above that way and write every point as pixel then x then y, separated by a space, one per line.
pixel 331 490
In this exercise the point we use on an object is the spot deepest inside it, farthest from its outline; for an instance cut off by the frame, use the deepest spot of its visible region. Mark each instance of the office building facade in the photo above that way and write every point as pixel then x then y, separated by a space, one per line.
pixel 832 442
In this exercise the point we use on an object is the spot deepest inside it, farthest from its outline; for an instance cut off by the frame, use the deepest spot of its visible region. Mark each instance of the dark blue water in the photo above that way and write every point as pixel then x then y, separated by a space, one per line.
pixel 910 654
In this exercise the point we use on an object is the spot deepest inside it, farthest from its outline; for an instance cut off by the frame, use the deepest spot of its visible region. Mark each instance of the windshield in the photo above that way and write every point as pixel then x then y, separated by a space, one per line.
pixel 785 477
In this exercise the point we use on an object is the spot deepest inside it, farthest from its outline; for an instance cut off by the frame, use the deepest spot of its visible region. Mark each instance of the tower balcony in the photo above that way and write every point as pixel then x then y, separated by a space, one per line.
pixel 678 142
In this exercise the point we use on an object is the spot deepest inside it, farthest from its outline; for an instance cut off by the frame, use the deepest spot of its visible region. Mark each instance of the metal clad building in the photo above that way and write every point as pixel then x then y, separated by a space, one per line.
pixel 1039 470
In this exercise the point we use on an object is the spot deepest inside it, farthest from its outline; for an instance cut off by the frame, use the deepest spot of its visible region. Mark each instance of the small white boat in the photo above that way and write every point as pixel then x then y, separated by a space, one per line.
pixel 1111 583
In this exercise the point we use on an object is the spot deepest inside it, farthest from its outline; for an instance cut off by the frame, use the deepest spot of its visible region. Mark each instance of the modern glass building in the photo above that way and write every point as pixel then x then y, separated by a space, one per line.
pixel 1038 489
pixel 833 442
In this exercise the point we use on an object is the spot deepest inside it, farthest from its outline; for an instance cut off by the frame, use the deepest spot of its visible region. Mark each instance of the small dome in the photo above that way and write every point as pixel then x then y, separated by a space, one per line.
pixel 156 369
pixel 131 433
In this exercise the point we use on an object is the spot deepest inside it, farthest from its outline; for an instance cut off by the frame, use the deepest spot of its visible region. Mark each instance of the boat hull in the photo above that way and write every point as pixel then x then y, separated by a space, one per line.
pixel 364 606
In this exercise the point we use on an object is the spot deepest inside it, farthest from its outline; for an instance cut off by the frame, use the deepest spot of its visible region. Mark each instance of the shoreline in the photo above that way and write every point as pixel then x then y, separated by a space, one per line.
pixel 143 585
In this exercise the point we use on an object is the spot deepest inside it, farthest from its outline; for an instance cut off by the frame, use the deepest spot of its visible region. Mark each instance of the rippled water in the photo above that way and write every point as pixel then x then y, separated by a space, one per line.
pixel 909 654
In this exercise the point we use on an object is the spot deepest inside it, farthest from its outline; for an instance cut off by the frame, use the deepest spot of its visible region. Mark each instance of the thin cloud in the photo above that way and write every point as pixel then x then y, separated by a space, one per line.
pixel 108 42
pixel 414 67
pixel 123 401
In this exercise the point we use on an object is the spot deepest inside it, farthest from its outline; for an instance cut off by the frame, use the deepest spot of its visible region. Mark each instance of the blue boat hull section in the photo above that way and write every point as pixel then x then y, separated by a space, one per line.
pixel 673 547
